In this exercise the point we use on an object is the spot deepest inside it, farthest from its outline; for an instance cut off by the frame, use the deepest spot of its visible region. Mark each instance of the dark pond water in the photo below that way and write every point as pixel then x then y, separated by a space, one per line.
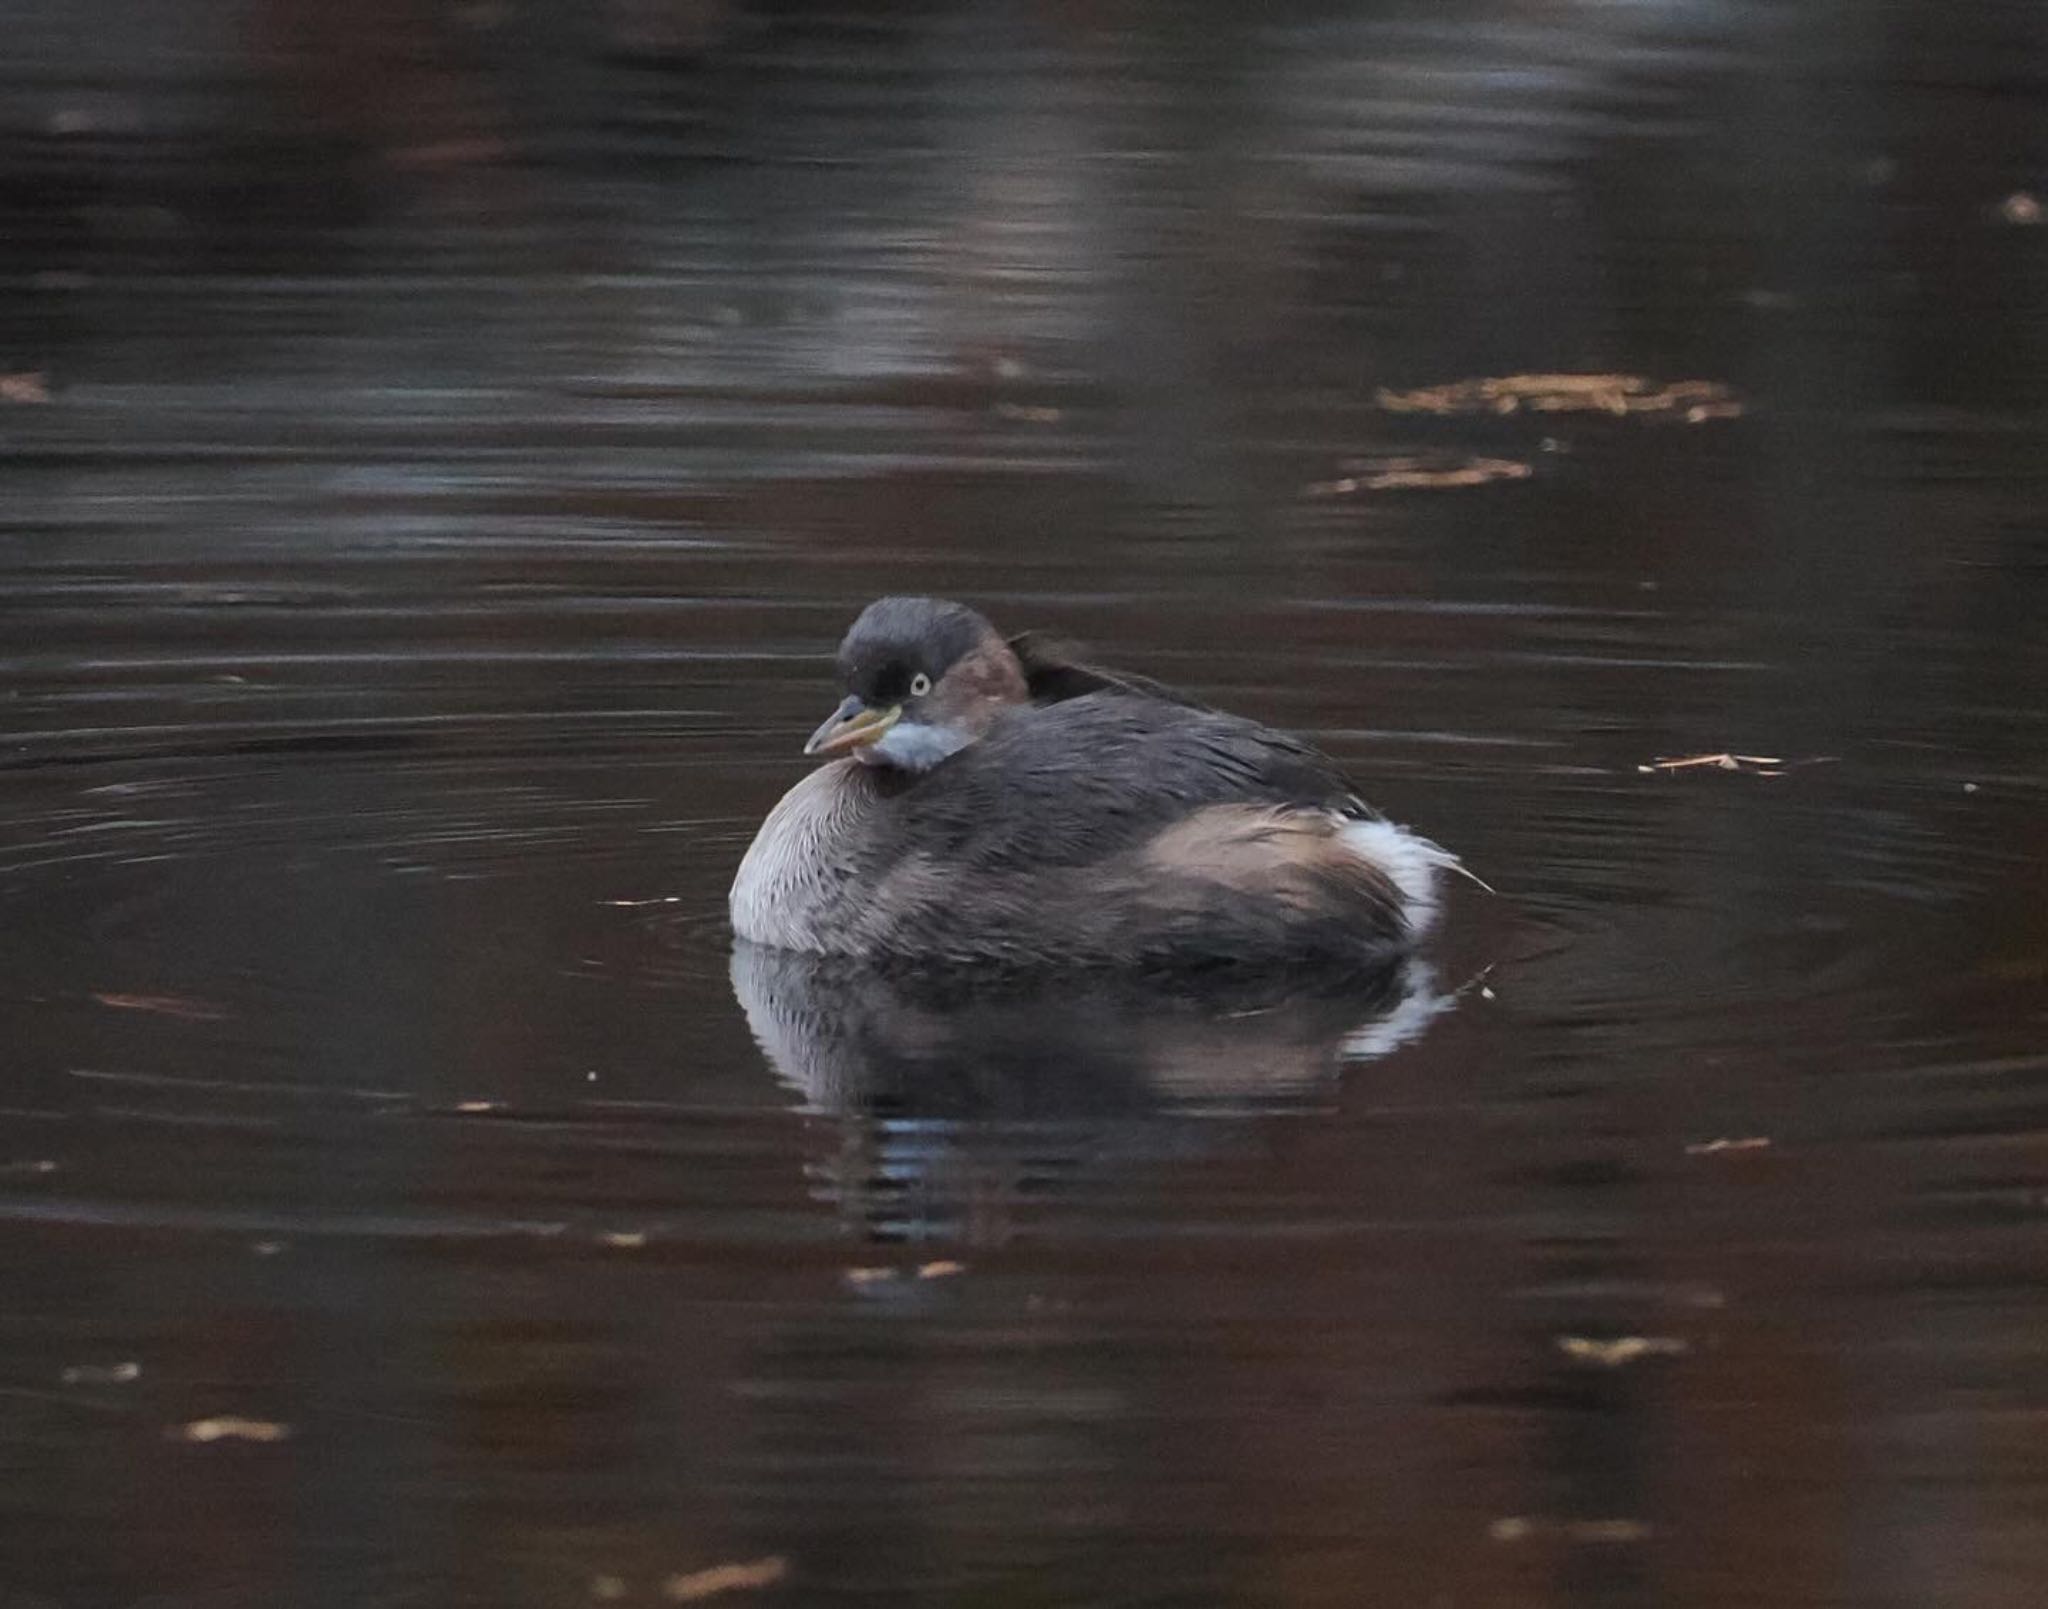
pixel 439 449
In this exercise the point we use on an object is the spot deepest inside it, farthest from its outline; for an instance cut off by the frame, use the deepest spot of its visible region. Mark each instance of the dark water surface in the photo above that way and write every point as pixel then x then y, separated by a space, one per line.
pixel 440 447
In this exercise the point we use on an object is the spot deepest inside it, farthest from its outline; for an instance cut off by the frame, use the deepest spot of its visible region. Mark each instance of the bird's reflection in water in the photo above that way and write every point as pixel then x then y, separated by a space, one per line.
pixel 955 1100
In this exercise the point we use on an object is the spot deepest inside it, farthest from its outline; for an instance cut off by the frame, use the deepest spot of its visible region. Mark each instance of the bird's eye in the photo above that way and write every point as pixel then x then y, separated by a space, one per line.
pixel 920 684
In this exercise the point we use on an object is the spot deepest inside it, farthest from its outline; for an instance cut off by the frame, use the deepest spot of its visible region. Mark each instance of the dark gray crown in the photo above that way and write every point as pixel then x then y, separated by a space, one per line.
pixel 895 638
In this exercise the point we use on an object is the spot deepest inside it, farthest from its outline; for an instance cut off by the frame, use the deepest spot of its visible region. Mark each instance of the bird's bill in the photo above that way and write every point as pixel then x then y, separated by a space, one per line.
pixel 852 726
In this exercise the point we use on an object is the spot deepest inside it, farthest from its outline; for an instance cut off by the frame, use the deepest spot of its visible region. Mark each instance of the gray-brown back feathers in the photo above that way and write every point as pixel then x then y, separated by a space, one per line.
pixel 1121 828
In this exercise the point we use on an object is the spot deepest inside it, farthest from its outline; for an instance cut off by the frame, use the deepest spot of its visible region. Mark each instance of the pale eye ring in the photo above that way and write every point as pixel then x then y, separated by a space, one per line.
pixel 920 684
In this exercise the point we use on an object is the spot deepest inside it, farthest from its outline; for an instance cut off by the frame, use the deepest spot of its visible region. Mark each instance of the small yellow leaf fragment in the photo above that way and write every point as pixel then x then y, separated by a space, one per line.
pixel 1617 394
pixel 230 1427
pixel 1407 477
pixel 721 1578
pixel 943 1268
pixel 1412 473
pixel 472 1107
pixel 1759 764
pixel 24 387
pixel 1620 1350
pixel 1607 1531
pixel 163 1005
pixel 1747 1142
pixel 868 1276
pixel 624 1239
pixel 1523 1528
pixel 101 1374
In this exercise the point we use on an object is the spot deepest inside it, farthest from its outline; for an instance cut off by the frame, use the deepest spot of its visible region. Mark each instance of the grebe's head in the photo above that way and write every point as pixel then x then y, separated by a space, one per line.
pixel 924 678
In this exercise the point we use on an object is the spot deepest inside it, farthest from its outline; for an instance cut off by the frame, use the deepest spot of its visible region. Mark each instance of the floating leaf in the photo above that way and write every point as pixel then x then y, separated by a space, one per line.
pixel 702 1584
pixel 230 1427
pixel 1620 1350
pixel 1695 401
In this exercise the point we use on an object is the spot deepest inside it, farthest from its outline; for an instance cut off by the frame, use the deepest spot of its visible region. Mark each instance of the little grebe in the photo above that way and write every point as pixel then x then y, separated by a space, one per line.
pixel 999 802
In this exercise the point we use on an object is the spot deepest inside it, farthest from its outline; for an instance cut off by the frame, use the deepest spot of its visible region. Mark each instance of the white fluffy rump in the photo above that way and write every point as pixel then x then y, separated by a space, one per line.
pixel 1411 861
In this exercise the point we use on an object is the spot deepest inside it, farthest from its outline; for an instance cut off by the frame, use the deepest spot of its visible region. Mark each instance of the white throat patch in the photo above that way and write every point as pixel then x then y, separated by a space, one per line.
pixel 914 746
